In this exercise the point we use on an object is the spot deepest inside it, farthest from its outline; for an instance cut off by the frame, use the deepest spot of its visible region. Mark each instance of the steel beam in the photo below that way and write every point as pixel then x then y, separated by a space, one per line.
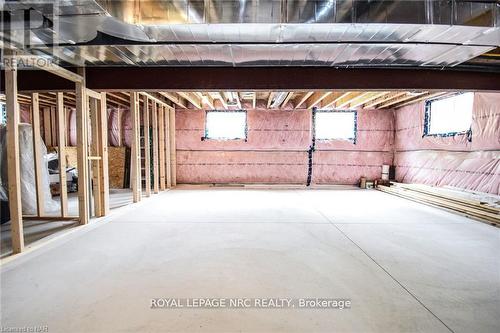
pixel 260 78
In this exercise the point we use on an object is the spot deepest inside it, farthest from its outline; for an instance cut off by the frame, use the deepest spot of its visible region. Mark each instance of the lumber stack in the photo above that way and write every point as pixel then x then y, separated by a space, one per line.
pixel 433 196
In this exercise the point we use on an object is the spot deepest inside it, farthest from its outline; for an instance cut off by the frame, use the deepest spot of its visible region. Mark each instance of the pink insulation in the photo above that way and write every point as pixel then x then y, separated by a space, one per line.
pixel 277 150
pixel 71 114
pixel 343 162
pixel 25 111
pixel 113 126
pixel 452 161
pixel 119 117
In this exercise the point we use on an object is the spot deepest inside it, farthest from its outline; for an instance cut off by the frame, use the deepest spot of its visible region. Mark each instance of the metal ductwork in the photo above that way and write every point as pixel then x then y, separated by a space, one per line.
pixel 158 12
pixel 343 33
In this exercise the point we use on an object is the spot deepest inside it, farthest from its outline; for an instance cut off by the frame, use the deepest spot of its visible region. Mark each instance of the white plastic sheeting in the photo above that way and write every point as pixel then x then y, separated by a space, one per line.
pixel 472 164
pixel 27 170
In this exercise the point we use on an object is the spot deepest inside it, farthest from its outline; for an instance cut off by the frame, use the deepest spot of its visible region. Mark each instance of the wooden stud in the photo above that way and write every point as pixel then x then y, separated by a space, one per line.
pixel 82 151
pixel 61 129
pixel 156 182
pixel 168 168
pixel 103 164
pixel 119 123
pixel 94 150
pixel 37 154
pixel 173 151
pixel 161 145
pixel 147 150
pixel 443 203
pixel 136 150
pixel 67 116
pixel 14 175
pixel 47 131
pixel 304 98
pixel 53 125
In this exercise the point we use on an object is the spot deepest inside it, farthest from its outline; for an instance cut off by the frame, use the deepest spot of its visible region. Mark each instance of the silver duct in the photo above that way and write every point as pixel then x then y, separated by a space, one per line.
pixel 348 33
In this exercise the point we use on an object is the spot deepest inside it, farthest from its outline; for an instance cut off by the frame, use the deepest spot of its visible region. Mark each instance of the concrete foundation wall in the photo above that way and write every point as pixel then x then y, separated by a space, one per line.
pixel 276 150
pixel 451 161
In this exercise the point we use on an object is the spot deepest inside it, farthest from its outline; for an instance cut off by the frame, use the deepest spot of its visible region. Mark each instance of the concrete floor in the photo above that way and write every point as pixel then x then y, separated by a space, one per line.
pixel 406 267
pixel 40 230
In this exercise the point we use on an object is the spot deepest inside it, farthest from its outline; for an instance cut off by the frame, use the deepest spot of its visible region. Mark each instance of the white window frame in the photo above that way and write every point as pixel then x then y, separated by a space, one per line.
pixel 428 117
pixel 355 125
pixel 222 138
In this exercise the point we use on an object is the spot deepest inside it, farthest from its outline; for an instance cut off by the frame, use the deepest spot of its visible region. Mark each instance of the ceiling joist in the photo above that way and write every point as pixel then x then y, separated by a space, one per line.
pixel 316 98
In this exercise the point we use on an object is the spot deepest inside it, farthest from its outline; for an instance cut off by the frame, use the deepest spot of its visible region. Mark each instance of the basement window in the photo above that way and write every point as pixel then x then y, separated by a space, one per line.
pixel 449 116
pixel 226 125
pixel 335 125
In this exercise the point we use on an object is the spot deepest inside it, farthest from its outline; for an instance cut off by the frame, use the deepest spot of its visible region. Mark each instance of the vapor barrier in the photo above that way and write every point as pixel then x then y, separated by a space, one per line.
pixel 471 163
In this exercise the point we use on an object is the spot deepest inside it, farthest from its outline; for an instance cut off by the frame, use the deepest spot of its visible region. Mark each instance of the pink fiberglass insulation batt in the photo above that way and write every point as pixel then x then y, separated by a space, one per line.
pixel 276 150
pixel 452 161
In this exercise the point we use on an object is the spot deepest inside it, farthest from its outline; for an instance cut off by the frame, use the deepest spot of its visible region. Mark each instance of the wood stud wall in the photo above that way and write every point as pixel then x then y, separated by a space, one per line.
pixel 135 158
pixel 157 117
pixel 161 146
pixel 61 122
pixel 147 148
pixel 14 175
pixel 37 153
pixel 82 120
pixel 49 119
pixel 173 152
pixel 156 182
